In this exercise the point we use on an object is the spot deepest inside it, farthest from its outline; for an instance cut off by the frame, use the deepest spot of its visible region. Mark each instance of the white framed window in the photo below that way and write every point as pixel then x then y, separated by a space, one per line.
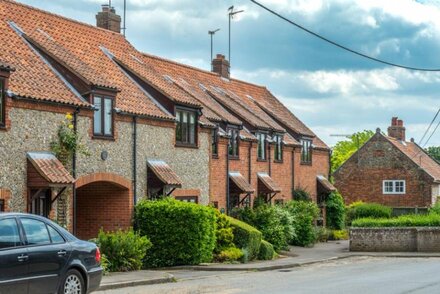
pixel 394 187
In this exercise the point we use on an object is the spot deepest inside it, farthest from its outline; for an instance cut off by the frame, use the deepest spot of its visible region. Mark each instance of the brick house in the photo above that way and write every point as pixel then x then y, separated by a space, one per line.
pixel 389 170
pixel 151 127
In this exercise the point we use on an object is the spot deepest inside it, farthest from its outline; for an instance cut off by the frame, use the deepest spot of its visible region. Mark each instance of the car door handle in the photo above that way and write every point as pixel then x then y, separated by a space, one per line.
pixel 23 257
pixel 62 253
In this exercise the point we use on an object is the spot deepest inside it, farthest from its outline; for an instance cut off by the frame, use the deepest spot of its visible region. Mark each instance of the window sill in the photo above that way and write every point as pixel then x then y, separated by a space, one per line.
pixel 234 157
pixel 278 161
pixel 3 127
pixel 190 146
pixel 106 138
pixel 261 160
pixel 306 163
pixel 215 156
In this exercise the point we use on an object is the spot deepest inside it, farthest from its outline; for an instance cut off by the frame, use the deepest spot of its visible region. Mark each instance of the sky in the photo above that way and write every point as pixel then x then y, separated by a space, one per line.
pixel 331 90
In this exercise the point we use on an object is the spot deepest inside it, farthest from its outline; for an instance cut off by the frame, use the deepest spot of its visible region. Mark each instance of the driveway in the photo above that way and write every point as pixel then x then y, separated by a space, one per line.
pixel 351 275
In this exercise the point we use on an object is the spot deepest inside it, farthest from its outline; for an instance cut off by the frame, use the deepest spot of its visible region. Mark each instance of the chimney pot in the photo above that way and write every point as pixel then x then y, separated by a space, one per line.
pixel 220 65
pixel 108 19
pixel 397 130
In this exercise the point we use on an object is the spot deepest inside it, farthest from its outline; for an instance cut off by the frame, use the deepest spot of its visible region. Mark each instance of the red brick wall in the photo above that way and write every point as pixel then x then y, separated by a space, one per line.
pixel 281 172
pixel 379 161
pixel 305 174
pixel 102 205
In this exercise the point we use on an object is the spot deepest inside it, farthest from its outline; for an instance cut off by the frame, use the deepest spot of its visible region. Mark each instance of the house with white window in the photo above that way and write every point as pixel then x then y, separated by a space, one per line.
pixel 389 170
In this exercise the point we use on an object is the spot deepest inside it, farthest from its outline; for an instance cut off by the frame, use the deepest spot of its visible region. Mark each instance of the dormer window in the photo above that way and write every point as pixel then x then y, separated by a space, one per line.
pixel 278 154
pixel 306 151
pixel 261 148
pixel 233 142
pixel 103 117
pixel 186 128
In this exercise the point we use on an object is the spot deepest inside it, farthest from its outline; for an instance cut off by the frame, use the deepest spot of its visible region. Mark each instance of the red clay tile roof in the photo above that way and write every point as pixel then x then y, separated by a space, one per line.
pixel 50 168
pixel 269 183
pixel 418 156
pixel 93 54
pixel 78 46
pixel 241 182
pixel 253 102
pixel 326 183
pixel 164 172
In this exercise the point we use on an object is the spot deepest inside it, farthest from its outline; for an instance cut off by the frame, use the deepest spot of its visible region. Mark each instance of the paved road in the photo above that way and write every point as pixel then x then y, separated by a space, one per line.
pixel 354 275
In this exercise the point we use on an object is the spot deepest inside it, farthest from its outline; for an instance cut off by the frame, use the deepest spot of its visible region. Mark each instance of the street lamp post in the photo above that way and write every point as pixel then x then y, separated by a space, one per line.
pixel 231 16
pixel 212 33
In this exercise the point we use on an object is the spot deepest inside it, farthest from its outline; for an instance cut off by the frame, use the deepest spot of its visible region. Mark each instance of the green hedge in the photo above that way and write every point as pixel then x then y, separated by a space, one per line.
pixel 419 220
pixel 246 237
pixel 335 214
pixel 182 233
pixel 230 255
pixel 123 250
pixel 274 222
pixel 304 214
pixel 266 251
pixel 367 210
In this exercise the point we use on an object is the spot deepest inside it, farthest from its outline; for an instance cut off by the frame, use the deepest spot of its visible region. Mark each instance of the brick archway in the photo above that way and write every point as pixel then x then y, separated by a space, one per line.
pixel 103 202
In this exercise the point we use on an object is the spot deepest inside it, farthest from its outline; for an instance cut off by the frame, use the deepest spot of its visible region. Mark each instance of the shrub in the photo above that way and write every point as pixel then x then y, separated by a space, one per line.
pixel 335 214
pixel 301 195
pixel 223 233
pixel 322 234
pixel 247 238
pixel 304 214
pixel 435 208
pixel 274 222
pixel 339 235
pixel 371 210
pixel 266 251
pixel 182 233
pixel 123 250
pixel 230 255
pixel 414 220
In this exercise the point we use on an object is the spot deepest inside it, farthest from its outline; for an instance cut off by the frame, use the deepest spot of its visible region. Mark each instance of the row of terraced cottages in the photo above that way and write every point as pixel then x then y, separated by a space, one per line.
pixel 149 126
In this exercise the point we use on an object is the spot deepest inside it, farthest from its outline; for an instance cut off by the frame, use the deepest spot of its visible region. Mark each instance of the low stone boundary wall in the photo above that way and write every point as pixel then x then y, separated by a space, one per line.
pixel 396 239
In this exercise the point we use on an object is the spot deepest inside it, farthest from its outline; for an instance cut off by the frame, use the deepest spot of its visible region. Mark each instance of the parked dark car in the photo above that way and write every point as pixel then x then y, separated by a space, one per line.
pixel 38 257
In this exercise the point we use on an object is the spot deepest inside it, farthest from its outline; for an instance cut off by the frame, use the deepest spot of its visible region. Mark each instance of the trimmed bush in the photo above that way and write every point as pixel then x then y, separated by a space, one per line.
pixel 274 222
pixel 335 214
pixel 230 255
pixel 266 251
pixel 223 233
pixel 367 210
pixel 414 220
pixel 247 238
pixel 182 233
pixel 304 214
pixel 123 250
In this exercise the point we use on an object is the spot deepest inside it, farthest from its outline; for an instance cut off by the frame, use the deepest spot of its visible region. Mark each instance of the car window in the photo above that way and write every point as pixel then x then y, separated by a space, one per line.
pixel 9 235
pixel 36 231
pixel 54 235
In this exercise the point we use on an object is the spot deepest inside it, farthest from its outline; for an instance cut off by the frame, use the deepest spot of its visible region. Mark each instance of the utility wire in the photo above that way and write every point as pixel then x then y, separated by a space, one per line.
pixel 433 132
pixel 430 125
pixel 342 46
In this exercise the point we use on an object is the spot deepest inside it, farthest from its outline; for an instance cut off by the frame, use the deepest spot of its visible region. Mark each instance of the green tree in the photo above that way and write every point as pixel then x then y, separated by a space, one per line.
pixel 344 149
pixel 434 152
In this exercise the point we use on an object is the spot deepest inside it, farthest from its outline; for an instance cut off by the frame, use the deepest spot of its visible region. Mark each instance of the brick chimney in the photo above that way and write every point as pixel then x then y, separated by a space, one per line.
pixel 221 66
pixel 108 19
pixel 396 130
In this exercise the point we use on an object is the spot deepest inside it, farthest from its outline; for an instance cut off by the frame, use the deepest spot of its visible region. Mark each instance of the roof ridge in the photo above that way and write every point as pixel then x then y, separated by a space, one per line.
pixel 14 2
pixel 198 69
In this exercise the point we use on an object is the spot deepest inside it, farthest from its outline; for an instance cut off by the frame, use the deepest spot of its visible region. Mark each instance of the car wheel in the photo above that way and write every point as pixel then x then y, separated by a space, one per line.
pixel 73 283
